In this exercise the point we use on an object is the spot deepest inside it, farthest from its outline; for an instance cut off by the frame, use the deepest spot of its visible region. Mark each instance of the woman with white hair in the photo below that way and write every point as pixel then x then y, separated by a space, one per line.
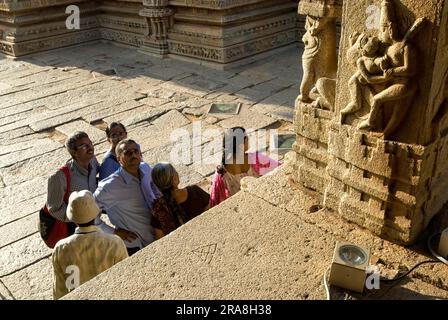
pixel 176 206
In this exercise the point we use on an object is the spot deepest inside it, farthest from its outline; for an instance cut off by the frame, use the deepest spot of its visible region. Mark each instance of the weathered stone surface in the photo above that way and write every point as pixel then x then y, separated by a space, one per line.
pixel 249 120
pixel 187 176
pixel 27 170
pixel 18 229
pixel 143 113
pixel 16 193
pixel 38 147
pixel 5 294
pixel 207 166
pixel 45 119
pixel 96 135
pixel 285 113
pixel 32 283
pixel 19 209
pixel 173 119
pixel 17 136
pixel 109 108
pixel 31 250
pixel 160 154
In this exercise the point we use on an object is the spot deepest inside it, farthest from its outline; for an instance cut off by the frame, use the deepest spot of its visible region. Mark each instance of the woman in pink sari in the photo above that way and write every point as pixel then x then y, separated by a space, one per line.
pixel 236 164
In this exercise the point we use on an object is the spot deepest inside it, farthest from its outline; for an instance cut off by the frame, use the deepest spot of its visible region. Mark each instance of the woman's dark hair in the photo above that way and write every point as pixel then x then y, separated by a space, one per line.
pixel 113 125
pixel 233 138
pixel 162 175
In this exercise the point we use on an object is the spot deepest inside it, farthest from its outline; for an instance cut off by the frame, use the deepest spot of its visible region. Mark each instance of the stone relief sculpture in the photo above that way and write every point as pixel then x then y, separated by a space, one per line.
pixel 326 90
pixel 319 59
pixel 386 67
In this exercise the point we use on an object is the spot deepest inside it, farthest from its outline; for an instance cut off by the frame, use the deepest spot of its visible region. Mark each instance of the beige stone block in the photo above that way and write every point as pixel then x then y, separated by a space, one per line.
pixel 16 136
pixel 251 121
pixel 18 229
pixel 35 282
pixel 31 249
pixel 172 119
pixel 39 147
pixel 25 191
pixel 27 170
pixel 96 135
pixel 109 108
pixel 137 115
pixel 59 117
pixel 21 208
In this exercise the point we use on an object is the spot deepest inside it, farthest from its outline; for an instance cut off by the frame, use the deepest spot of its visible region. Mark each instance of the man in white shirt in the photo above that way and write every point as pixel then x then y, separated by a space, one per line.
pixel 87 252
pixel 127 197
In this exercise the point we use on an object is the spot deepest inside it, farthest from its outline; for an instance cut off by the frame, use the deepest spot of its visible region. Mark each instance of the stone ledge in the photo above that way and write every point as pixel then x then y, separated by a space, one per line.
pixel 260 244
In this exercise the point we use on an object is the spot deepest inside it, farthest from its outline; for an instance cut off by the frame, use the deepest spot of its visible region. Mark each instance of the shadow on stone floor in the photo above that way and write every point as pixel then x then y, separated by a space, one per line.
pixel 254 82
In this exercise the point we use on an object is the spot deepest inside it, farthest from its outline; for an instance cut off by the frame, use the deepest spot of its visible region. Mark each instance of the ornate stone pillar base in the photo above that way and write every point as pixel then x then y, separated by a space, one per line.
pixel 311 126
pixel 375 183
pixel 159 20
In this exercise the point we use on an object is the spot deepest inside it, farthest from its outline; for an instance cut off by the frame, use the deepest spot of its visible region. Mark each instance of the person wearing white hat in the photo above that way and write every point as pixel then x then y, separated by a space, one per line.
pixel 87 252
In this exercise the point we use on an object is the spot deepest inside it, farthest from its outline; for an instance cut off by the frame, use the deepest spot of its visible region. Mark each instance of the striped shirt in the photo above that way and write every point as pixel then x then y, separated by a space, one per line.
pixel 80 179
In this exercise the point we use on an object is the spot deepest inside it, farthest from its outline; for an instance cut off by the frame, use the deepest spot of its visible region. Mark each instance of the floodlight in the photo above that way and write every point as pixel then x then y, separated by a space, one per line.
pixel 349 265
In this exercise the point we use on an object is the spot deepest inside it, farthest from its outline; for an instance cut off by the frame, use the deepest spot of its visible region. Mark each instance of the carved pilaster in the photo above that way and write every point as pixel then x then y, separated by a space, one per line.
pixel 159 18
pixel 315 105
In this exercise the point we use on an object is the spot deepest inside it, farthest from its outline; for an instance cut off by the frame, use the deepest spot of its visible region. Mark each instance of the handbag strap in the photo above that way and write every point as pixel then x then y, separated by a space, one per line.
pixel 66 172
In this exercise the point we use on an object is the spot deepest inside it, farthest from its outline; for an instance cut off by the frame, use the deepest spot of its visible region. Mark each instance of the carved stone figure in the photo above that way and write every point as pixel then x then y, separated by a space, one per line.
pixel 363 52
pixel 319 57
pixel 388 77
pixel 326 90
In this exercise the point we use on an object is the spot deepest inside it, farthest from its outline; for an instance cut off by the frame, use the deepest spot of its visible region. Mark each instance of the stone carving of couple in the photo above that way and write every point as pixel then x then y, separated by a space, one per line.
pixel 386 67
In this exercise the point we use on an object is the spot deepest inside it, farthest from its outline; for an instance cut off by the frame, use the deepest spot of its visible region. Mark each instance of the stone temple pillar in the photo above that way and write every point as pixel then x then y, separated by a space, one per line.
pixel 381 161
pixel 315 105
pixel 159 19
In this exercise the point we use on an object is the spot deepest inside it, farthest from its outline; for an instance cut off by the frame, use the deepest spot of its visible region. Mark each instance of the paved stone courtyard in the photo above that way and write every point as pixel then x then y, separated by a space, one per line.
pixel 45 97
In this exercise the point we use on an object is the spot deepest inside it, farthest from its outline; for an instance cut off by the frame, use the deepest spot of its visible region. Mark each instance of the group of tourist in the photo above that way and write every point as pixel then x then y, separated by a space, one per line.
pixel 142 203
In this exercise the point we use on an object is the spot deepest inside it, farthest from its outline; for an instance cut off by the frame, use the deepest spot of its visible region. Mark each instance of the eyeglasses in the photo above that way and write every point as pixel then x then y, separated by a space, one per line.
pixel 129 152
pixel 84 146
pixel 118 135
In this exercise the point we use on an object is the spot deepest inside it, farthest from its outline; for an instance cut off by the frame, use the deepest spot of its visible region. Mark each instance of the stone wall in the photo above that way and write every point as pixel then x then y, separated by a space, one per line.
pixel 226 31
pixel 215 31
pixel 378 155
pixel 32 26
pixel 120 21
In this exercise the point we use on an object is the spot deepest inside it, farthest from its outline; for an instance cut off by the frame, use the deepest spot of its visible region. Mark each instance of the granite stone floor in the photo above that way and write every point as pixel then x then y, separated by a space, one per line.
pixel 45 97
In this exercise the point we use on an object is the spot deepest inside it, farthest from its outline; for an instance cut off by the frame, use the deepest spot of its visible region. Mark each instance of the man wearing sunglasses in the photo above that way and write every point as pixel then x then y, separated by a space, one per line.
pixel 127 197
